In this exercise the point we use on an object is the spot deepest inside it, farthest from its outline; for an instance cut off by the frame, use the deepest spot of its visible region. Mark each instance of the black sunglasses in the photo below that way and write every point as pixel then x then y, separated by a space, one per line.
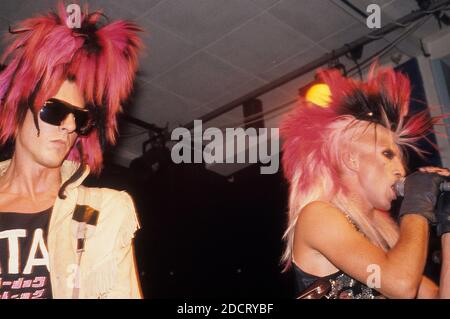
pixel 55 111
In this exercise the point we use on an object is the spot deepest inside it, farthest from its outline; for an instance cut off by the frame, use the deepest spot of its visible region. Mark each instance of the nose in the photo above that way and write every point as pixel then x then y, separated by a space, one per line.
pixel 399 175
pixel 68 124
pixel 399 169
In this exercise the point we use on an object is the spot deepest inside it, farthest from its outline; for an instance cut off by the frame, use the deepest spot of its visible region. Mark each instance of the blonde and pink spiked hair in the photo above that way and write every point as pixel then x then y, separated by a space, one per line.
pixel 315 137
pixel 44 52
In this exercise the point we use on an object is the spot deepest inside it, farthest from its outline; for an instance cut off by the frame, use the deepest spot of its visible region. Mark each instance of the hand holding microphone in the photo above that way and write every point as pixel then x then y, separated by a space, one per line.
pixel 399 187
pixel 421 191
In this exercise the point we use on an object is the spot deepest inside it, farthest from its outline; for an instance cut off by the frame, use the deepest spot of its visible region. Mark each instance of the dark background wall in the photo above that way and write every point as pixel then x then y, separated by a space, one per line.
pixel 206 236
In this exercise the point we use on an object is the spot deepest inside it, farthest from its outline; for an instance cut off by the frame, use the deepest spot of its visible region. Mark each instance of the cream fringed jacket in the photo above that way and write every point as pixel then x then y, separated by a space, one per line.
pixel 107 264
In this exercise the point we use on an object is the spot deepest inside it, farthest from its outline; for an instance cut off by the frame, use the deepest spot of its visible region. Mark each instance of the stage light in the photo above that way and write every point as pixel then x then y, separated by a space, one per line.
pixel 319 94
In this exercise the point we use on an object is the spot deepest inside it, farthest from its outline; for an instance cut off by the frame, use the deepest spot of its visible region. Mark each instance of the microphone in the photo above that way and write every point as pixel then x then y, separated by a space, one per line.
pixel 399 187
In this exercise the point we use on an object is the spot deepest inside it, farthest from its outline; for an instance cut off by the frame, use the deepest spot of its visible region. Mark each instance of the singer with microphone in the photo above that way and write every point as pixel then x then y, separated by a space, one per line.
pixel 344 163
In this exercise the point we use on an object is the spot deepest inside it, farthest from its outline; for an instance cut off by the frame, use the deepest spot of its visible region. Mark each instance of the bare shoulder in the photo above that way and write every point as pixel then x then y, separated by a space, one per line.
pixel 321 221
pixel 318 212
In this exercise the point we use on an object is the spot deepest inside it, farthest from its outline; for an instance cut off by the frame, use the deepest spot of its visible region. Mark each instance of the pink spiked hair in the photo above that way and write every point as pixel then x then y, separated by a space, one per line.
pixel 314 136
pixel 101 59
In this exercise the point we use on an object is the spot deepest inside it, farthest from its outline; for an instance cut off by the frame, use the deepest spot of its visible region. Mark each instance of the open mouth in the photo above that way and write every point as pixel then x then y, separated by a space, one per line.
pixel 394 191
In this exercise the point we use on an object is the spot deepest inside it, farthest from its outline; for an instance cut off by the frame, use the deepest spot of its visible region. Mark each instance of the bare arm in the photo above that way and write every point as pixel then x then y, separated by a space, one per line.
pixel 325 229
pixel 428 289
pixel 445 269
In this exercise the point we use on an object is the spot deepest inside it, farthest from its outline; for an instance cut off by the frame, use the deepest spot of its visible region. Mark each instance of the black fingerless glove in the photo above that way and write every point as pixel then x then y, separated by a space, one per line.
pixel 443 214
pixel 421 194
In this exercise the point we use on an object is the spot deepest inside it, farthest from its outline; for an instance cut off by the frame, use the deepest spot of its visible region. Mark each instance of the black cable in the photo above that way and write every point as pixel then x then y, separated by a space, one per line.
pixel 354 8
pixel 392 45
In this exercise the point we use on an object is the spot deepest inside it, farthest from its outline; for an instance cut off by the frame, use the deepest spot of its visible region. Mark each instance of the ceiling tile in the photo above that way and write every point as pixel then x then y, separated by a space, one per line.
pixel 429 27
pixel 203 21
pixel 235 117
pixel 264 4
pixel 270 100
pixel 409 45
pixel 234 93
pixel 114 9
pixel 14 11
pixel 363 4
pixel 3 32
pixel 137 7
pixel 163 50
pixel 110 9
pixel 397 9
pixel 291 88
pixel 42 6
pixel 339 39
pixel 260 44
pixel 312 17
pixel 370 54
pixel 202 78
pixel 154 105
pixel 293 63
pixel 222 122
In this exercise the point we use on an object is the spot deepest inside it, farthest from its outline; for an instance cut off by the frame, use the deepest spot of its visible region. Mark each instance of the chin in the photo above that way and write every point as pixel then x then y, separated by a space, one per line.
pixel 53 162
pixel 386 206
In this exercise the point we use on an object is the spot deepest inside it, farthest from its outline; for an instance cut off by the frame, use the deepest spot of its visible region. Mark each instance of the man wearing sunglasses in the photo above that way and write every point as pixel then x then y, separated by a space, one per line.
pixel 60 91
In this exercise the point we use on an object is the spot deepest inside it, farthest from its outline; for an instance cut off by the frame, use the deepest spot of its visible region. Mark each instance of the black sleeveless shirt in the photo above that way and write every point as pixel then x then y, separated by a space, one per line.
pixel 342 286
pixel 24 263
